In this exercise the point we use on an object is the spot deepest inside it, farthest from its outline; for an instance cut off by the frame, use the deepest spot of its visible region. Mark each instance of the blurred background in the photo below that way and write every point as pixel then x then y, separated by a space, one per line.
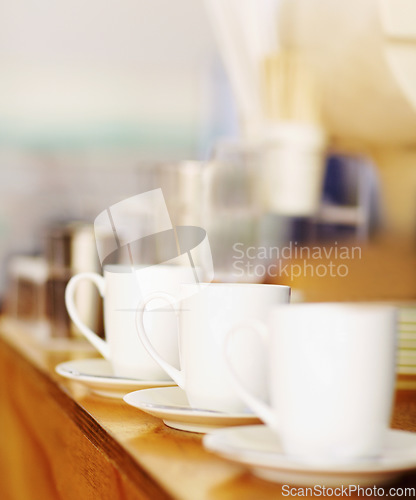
pixel 92 92
pixel 264 122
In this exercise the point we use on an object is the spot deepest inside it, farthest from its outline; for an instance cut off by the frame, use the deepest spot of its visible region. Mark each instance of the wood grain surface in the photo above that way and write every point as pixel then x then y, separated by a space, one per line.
pixel 59 442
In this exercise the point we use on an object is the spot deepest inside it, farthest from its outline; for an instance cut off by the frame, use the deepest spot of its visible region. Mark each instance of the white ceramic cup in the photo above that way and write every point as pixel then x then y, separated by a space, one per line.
pixel 331 378
pixel 122 290
pixel 205 315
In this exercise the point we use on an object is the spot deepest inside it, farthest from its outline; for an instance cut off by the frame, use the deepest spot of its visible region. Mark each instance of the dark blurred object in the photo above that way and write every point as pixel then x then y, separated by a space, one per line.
pixel 36 292
pixel 69 249
pixel 58 243
pixel 350 208
pixel 26 297
pixel 351 205
pixel 55 306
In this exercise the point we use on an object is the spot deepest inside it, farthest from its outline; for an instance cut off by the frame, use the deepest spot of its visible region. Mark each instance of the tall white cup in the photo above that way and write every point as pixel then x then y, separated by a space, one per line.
pixel 331 378
pixel 123 288
pixel 205 315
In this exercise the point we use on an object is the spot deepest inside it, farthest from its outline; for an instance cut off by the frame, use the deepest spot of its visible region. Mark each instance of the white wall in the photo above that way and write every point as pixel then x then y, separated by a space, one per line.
pixel 88 89
pixel 88 72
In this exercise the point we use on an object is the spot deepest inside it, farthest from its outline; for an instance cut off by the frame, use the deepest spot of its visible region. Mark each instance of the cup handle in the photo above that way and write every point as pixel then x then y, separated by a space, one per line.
pixel 100 344
pixel 264 411
pixel 177 375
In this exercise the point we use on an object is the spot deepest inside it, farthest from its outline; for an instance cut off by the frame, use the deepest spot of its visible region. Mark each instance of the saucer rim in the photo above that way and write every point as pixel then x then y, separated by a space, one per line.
pixel 105 380
pixel 194 416
pixel 281 462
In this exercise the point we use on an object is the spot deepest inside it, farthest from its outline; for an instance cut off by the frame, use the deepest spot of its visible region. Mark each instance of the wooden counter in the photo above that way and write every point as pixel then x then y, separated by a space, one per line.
pixel 60 442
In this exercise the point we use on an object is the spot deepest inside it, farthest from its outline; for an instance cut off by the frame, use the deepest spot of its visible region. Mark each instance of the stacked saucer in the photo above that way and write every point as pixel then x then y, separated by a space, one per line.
pixel 406 361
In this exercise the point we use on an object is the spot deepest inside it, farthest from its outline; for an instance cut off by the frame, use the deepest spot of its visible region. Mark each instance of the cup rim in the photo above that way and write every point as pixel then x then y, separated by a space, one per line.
pixel 235 285
pixel 126 268
pixel 345 306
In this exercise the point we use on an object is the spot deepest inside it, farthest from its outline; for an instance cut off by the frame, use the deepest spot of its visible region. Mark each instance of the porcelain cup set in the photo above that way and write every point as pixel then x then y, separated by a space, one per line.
pixel 320 376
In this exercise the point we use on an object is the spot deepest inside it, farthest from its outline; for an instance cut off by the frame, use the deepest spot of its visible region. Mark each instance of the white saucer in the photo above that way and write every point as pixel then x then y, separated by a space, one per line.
pixel 171 405
pixel 97 375
pixel 259 448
